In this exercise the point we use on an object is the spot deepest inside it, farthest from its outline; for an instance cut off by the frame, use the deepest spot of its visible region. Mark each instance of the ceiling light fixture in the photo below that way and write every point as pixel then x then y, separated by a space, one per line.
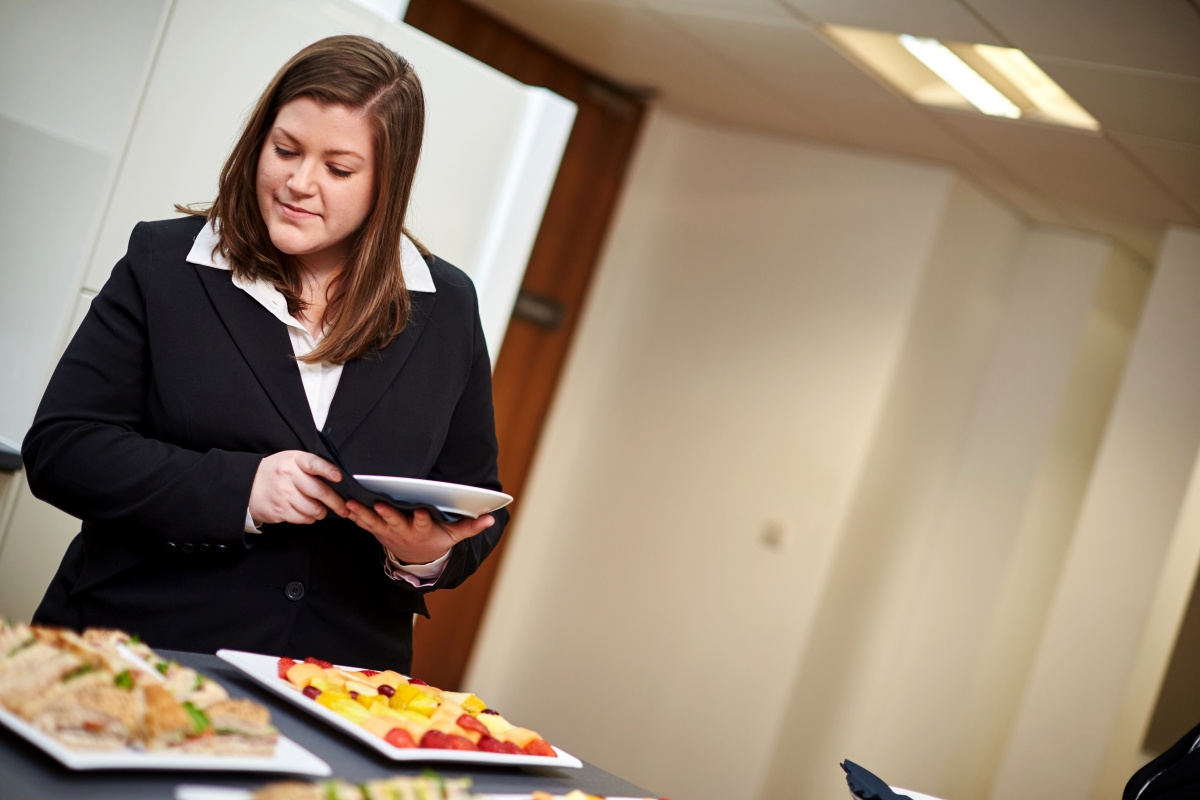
pixel 998 81
pixel 966 81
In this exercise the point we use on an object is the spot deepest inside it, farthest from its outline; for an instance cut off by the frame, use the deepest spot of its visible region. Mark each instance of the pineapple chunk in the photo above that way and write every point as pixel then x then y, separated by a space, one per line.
pixel 350 710
pixel 423 704
pixel 327 699
pixel 469 702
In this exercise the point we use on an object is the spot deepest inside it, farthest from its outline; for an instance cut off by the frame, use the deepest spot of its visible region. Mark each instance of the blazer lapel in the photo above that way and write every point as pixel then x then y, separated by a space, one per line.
pixel 364 380
pixel 263 341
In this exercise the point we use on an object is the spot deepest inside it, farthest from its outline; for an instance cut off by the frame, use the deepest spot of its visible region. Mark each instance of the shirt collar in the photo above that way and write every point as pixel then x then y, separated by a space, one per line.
pixel 416 272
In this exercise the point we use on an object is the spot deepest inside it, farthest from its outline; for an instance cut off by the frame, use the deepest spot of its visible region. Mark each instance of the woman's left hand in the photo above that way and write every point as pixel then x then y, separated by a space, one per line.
pixel 415 539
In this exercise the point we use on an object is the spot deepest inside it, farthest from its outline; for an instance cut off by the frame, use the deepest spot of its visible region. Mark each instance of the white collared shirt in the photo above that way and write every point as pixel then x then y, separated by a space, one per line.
pixel 321 380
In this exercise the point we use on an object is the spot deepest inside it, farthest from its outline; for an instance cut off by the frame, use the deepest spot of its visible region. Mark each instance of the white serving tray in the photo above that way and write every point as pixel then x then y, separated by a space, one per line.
pixel 190 791
pixel 453 498
pixel 265 670
pixel 290 758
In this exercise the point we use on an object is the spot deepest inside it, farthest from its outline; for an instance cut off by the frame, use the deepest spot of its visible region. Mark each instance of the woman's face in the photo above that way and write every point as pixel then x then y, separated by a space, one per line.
pixel 316 179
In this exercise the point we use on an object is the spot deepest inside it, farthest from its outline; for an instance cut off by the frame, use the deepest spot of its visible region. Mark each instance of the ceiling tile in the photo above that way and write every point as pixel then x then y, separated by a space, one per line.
pixel 760 11
pixel 942 19
pixel 1162 35
pixel 1077 169
pixel 792 60
pixel 1133 101
pixel 1177 165
pixel 895 126
pixel 1034 206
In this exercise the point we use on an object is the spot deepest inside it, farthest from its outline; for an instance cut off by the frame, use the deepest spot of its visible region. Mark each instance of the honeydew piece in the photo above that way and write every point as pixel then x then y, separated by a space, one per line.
pixel 322 684
pixel 362 689
pixel 335 676
pixel 389 677
pixel 497 724
pixel 380 726
pixel 447 710
pixel 520 736
pixel 302 675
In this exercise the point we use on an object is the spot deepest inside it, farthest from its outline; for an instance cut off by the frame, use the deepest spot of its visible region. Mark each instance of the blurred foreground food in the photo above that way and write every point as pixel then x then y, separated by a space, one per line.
pixel 106 690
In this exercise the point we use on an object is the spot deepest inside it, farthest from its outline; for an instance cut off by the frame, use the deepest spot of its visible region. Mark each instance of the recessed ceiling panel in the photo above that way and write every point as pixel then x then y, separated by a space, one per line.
pixel 1078 169
pixel 1147 104
pixel 941 19
pixel 1162 35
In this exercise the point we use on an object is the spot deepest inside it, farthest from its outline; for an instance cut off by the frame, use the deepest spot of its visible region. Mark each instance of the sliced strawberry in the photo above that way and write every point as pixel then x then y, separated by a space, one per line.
pixel 417 682
pixel 318 662
pixel 398 737
pixel 469 723
pixel 490 745
pixel 540 747
pixel 436 740
pixel 366 673
pixel 285 664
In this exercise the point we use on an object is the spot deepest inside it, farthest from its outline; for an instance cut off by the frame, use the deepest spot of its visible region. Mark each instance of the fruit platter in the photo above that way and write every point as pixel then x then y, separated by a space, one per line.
pixel 397 787
pixel 401 717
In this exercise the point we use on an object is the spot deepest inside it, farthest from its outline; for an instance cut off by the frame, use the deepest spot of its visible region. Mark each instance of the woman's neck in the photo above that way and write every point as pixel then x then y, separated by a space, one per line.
pixel 317 272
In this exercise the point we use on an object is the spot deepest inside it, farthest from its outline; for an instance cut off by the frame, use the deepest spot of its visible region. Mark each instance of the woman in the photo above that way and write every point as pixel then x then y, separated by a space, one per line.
pixel 182 421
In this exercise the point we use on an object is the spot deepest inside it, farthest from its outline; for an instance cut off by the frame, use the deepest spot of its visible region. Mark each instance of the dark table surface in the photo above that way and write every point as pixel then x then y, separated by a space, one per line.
pixel 26 772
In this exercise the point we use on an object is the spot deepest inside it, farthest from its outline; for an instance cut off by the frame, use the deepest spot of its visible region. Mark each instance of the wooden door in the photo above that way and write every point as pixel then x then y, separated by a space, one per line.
pixel 552 293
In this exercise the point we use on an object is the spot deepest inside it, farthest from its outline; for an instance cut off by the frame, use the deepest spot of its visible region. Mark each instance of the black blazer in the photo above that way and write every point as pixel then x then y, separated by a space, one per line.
pixel 153 425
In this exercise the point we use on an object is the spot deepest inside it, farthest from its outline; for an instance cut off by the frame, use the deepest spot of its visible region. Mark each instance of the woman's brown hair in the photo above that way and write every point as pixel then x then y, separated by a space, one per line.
pixel 368 304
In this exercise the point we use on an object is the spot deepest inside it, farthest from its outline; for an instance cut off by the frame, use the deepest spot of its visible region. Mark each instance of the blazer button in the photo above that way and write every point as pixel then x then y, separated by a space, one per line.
pixel 204 548
pixel 170 547
pixel 187 548
pixel 294 590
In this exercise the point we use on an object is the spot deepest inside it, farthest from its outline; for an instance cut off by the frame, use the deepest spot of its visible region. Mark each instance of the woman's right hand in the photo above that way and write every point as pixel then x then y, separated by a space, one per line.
pixel 288 488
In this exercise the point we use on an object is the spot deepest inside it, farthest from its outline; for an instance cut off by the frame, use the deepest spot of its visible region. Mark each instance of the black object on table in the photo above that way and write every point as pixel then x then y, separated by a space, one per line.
pixel 26 772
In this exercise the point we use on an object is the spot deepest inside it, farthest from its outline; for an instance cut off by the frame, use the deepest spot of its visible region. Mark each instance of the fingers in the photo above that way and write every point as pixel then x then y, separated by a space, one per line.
pixel 467 528
pixel 365 517
pixel 320 491
pixel 315 465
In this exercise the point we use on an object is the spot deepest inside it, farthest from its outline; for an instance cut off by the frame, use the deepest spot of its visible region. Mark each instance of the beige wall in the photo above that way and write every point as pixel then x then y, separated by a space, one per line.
pixel 1091 655
pixel 866 360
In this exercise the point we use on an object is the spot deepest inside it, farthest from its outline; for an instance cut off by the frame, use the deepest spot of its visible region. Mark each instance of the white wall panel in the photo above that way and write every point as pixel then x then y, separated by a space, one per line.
pixel 49 193
pixel 1112 574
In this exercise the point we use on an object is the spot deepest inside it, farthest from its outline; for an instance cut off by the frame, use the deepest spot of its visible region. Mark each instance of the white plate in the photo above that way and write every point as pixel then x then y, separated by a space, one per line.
pixel 453 498
pixel 265 670
pixel 290 758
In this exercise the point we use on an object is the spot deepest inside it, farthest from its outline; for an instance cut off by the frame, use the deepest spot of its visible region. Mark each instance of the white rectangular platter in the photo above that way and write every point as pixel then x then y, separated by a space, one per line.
pixel 187 791
pixel 265 670
pixel 290 758
pixel 197 792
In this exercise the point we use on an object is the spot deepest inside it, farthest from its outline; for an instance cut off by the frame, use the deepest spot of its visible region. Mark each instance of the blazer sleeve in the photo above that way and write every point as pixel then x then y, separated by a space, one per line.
pixel 468 456
pixel 88 451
